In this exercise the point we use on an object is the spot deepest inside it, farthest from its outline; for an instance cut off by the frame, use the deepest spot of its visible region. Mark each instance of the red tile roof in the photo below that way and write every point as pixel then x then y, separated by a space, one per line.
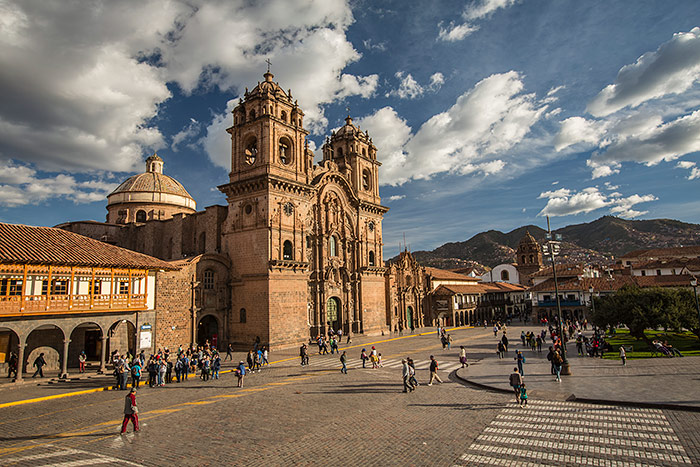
pixel 459 289
pixel 562 270
pixel 691 263
pixel 448 275
pixel 663 281
pixel 681 251
pixel 24 244
pixel 599 284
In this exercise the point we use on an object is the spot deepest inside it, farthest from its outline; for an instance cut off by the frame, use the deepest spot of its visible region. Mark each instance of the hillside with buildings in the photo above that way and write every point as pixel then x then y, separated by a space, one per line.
pixel 596 242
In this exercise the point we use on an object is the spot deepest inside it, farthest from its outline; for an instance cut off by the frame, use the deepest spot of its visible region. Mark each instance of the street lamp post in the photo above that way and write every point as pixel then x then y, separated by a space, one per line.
pixel 694 285
pixel 590 291
pixel 551 247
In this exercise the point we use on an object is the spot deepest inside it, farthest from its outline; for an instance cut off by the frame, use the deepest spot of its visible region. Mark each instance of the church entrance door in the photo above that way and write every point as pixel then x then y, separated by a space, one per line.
pixel 333 313
pixel 208 330
pixel 409 317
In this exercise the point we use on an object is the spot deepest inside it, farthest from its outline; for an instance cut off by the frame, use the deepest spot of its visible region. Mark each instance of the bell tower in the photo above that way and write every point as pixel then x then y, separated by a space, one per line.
pixel 356 156
pixel 269 197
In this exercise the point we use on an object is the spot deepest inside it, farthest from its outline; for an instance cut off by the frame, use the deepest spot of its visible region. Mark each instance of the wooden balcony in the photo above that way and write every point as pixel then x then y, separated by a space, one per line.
pixel 17 305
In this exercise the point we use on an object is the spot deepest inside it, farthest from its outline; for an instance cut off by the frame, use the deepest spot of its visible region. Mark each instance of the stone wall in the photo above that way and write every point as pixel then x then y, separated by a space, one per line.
pixel 173 322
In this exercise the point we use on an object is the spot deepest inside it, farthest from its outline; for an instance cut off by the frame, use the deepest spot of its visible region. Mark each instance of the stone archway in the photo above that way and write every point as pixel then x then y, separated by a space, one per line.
pixel 208 330
pixel 9 346
pixel 49 340
pixel 85 337
pixel 122 338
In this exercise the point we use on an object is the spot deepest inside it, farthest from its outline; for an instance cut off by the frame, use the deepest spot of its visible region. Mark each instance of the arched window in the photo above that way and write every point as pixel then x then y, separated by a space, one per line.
pixel 366 180
pixel 242 117
pixel 523 259
pixel 287 250
pixel 208 282
pixel 504 275
pixel 371 258
pixel 252 114
pixel 340 152
pixel 285 151
pixel 251 151
pixel 283 116
pixel 409 280
pixel 242 317
pixel 332 246
pixel 140 215
pixel 203 242
pixel 532 259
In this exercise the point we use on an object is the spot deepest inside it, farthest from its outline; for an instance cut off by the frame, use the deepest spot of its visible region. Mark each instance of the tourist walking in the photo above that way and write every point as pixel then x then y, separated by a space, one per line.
pixel 463 356
pixel 500 350
pixel 304 354
pixel 516 380
pixel 135 373
pixel 406 373
pixel 344 360
pixel 433 371
pixel 523 396
pixel 557 360
pixel 240 373
pixel 623 355
pixel 265 354
pixel 131 411
pixel 363 357
pixel 39 363
pixel 229 352
pixel 82 358
pixel 412 373
pixel 520 360
pixel 12 365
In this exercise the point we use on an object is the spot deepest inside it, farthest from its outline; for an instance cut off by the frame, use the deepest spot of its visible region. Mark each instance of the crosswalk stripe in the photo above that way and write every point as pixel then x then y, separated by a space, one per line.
pixel 99 460
pixel 629 432
pixel 584 439
pixel 63 452
pixel 588 416
pixel 603 450
pixel 577 422
pixel 597 411
pixel 561 458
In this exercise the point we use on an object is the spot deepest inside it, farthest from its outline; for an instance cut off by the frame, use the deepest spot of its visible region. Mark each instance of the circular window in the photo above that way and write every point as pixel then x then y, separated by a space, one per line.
pixel 288 208
pixel 248 208
pixel 370 226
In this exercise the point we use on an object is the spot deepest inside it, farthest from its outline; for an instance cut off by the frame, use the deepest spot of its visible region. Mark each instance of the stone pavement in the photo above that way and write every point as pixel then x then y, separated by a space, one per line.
pixel 661 382
pixel 292 415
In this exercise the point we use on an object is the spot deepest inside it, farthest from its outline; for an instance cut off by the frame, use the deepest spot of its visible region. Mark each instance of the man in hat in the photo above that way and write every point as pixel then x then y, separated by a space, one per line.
pixel 130 411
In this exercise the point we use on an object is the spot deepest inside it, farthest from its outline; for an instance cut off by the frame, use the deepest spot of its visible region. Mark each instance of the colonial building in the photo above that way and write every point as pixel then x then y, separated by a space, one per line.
pixel 405 293
pixel 62 293
pixel 296 252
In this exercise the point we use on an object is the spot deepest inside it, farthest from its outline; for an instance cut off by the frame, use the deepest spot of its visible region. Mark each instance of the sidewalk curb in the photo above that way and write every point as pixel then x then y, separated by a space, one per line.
pixel 573 398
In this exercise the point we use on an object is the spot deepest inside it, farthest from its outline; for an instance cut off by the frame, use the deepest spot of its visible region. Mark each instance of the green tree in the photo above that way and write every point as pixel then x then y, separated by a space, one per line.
pixel 649 308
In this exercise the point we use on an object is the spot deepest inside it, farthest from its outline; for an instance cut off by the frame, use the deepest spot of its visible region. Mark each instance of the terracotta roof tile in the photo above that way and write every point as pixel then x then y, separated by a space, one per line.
pixel 687 251
pixel 663 281
pixel 24 244
pixel 447 275
pixel 599 284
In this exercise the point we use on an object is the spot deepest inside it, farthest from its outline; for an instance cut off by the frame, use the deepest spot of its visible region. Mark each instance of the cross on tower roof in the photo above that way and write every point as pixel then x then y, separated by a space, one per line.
pixel 268 64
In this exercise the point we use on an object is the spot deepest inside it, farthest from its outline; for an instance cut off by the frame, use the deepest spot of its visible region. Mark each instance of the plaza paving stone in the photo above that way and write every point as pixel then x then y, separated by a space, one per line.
pixel 289 415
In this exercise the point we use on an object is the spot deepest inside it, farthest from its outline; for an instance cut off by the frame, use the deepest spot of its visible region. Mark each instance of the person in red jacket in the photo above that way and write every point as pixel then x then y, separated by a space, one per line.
pixel 131 411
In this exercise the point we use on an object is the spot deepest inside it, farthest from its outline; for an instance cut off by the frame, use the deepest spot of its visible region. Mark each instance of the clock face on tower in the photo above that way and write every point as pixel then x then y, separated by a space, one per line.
pixel 251 153
pixel 288 208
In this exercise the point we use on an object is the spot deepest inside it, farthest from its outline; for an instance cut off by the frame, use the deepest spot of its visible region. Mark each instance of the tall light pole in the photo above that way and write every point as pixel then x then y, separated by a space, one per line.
pixel 590 291
pixel 552 247
pixel 694 285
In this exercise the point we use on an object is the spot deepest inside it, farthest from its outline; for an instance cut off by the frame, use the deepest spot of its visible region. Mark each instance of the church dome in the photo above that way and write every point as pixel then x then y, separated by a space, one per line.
pixel 268 88
pixel 157 195
pixel 528 239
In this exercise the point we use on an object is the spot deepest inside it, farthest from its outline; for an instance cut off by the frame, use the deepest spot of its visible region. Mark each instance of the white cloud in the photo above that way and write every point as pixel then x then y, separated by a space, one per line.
pixel 611 187
pixel 20 186
pixel 475 11
pixel 672 69
pixel 576 130
pixel 648 115
pixel 92 76
pixel 369 44
pixel 455 32
pixel 410 89
pixel 187 133
pixel 471 136
pixel 565 202
pixel 396 197
pixel 217 143
pixel 694 171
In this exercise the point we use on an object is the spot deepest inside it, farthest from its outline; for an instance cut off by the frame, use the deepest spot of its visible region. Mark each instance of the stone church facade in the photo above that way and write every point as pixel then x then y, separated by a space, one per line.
pixel 296 252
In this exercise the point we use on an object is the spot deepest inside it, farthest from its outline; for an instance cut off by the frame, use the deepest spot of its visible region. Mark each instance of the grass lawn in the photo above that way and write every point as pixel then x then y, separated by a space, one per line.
pixel 686 342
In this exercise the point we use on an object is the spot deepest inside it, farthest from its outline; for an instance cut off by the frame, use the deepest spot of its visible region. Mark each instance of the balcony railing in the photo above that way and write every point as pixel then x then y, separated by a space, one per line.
pixel 18 304
pixel 561 302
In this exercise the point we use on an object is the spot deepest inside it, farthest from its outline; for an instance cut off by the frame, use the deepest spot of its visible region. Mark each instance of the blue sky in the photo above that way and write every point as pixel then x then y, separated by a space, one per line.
pixel 487 114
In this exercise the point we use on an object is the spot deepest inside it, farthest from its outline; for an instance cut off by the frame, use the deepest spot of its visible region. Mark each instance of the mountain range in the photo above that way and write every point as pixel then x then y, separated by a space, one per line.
pixel 596 242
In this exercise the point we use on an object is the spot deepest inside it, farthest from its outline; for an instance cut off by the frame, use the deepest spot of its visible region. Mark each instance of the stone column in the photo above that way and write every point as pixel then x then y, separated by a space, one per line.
pixel 103 353
pixel 20 359
pixel 64 363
